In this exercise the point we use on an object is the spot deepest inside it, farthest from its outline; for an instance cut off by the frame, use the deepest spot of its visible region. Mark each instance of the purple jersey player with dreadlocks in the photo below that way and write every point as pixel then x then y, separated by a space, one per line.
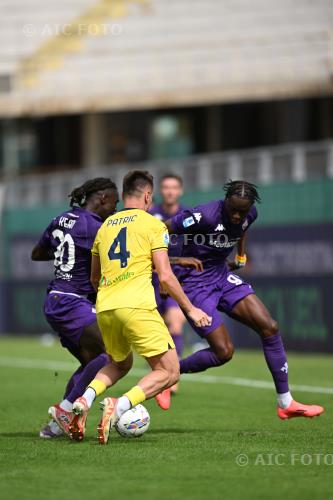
pixel 211 232
pixel 68 306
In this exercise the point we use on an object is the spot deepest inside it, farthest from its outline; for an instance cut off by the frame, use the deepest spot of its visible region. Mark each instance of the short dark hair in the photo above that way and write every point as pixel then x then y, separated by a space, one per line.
pixel 80 195
pixel 171 176
pixel 243 189
pixel 135 182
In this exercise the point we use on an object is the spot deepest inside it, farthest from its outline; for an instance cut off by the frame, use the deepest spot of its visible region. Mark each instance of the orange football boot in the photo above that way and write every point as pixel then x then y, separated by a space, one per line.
pixel 163 399
pixel 299 410
pixel 108 420
pixel 62 417
pixel 77 427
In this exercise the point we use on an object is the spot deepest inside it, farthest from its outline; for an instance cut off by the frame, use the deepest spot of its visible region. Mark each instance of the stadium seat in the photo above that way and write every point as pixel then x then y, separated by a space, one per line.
pixel 149 52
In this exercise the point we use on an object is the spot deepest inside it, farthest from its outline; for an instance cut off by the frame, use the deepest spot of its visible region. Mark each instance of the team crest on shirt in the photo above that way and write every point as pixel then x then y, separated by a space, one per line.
pixel 197 216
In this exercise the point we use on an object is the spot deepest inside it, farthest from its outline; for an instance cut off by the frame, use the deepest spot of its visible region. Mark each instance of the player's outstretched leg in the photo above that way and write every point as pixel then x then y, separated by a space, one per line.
pixel 91 355
pixel 73 380
pixel 175 320
pixel 165 372
pixel 105 378
pixel 52 430
pixel 62 413
pixel 220 352
pixel 252 312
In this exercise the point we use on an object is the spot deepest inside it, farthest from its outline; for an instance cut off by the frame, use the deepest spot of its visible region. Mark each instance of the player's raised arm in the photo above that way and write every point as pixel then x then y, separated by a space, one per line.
pixel 240 257
pixel 186 222
pixel 169 282
pixel 241 245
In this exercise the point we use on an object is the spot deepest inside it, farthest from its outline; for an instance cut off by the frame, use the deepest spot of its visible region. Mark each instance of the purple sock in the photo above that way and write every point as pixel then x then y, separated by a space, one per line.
pixel 72 381
pixel 179 343
pixel 199 361
pixel 276 360
pixel 86 376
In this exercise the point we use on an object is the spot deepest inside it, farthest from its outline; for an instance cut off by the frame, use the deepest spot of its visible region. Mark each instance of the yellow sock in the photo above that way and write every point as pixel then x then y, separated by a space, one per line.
pixel 98 386
pixel 135 395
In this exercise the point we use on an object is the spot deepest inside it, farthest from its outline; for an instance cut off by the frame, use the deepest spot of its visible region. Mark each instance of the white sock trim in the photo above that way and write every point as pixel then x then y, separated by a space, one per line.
pixel 66 405
pixel 90 396
pixel 284 400
pixel 123 405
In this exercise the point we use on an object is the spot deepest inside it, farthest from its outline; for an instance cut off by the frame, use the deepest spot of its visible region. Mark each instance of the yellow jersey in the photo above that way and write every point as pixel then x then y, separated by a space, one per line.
pixel 124 244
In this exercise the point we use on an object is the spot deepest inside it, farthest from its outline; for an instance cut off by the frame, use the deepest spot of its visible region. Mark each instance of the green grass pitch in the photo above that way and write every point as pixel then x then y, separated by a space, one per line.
pixel 190 451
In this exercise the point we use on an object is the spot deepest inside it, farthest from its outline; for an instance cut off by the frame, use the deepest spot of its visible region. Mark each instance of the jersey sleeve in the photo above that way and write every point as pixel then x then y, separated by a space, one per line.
pixel 95 246
pixel 159 239
pixel 189 221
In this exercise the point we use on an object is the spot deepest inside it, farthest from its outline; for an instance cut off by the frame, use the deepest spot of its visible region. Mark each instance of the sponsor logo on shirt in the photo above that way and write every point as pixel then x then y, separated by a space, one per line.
pixel 62 275
pixel 212 239
pixel 220 227
pixel 188 222
pixel 223 244
pixel 197 216
pixel 121 277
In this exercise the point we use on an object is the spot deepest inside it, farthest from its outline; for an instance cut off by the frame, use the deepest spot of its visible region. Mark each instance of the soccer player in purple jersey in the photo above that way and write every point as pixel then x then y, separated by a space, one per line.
pixel 171 189
pixel 69 303
pixel 211 231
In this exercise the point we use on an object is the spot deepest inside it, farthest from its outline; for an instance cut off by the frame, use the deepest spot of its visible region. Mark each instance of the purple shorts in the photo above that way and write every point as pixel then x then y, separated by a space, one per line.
pixel 68 315
pixel 216 298
pixel 163 303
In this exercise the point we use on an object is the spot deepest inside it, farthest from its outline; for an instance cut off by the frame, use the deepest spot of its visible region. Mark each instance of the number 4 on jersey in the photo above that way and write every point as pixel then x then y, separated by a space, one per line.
pixel 123 254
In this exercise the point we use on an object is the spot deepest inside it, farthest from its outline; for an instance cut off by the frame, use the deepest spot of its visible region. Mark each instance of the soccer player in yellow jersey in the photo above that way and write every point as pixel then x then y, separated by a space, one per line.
pixel 127 245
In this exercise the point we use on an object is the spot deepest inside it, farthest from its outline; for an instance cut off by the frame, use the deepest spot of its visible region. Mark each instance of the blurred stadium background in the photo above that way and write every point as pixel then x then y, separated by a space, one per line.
pixel 208 89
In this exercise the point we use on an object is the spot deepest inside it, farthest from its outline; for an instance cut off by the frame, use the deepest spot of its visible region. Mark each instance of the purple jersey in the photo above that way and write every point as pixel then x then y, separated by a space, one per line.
pixel 209 236
pixel 176 242
pixel 70 237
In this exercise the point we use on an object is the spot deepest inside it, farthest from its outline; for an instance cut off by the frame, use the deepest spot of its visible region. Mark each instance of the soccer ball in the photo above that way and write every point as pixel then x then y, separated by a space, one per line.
pixel 134 422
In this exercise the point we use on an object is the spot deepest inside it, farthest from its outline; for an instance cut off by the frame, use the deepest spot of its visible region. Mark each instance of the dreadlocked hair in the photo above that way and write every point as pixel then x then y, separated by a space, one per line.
pixel 242 189
pixel 81 194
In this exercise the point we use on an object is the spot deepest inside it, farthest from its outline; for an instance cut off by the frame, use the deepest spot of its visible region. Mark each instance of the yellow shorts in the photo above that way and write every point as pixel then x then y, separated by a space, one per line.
pixel 139 329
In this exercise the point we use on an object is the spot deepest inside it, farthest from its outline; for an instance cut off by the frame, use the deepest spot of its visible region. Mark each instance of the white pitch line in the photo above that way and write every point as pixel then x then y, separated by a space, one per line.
pixel 37 364
pixel 257 384
pixel 63 366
